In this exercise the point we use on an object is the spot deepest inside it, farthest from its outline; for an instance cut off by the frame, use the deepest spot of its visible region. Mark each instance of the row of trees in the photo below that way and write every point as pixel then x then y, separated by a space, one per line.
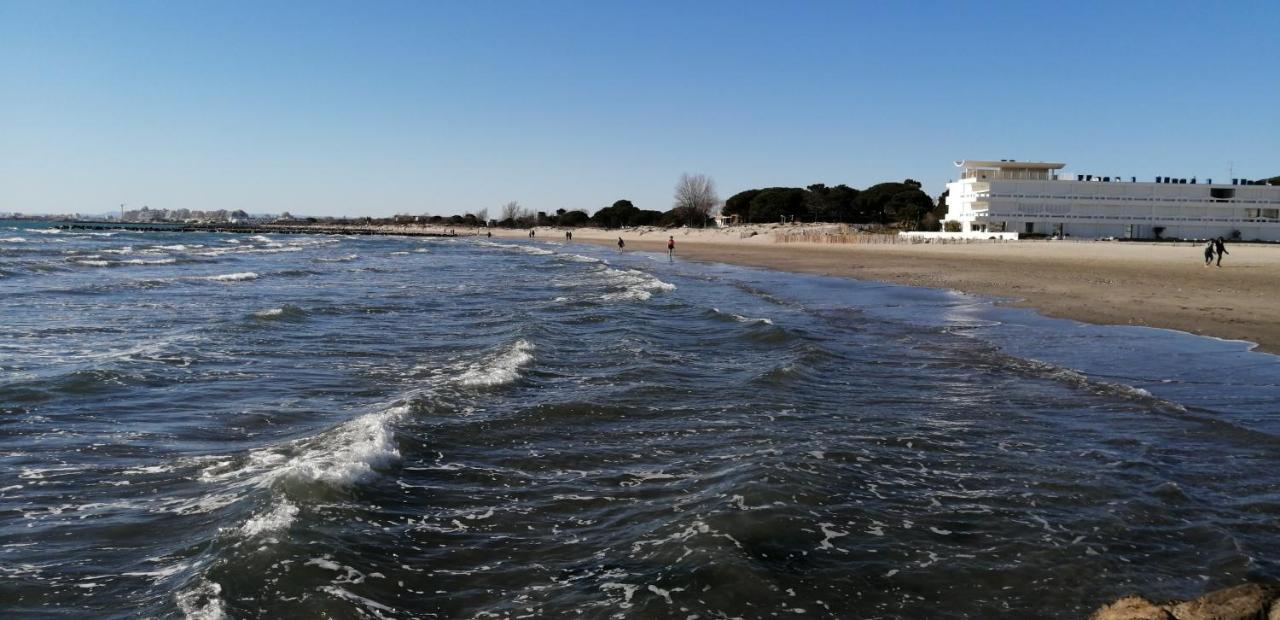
pixel 902 203
pixel 897 203
pixel 695 197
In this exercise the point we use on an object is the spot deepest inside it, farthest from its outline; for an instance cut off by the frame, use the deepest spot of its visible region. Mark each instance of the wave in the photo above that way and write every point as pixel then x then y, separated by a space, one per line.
pixel 336 259
pixel 13 240
pixel 720 314
pixel 234 277
pixel 529 249
pixel 285 312
pixel 635 285
pixel 501 370
pixel 339 457
pixel 139 261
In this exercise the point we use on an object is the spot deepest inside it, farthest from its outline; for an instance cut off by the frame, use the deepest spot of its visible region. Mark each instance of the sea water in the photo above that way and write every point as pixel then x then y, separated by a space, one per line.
pixel 216 425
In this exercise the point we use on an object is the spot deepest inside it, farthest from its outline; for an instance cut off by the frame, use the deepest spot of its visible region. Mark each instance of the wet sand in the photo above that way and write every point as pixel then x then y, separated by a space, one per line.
pixel 1116 283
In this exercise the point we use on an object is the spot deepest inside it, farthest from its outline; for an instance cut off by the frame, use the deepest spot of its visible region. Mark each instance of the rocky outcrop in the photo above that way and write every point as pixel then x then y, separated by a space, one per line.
pixel 1251 601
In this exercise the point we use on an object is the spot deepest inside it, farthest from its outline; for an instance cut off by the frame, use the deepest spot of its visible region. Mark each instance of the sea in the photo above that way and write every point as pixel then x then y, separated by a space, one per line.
pixel 215 425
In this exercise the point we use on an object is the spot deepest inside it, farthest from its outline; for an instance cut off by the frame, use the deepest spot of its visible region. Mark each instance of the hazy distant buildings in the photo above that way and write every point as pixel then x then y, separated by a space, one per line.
pixel 1037 198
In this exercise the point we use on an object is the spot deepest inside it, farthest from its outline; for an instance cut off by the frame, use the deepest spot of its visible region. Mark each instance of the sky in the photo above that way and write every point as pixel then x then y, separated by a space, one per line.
pixel 378 108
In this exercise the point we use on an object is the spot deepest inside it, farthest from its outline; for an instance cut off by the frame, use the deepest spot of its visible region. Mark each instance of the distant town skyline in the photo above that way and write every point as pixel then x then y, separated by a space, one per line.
pixel 441 108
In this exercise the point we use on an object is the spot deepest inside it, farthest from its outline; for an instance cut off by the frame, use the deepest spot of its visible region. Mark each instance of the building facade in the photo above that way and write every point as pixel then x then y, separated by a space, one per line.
pixel 1037 198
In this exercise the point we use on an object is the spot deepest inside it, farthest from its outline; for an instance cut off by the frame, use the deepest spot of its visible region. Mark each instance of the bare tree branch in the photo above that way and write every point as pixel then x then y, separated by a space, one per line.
pixel 695 196
pixel 510 211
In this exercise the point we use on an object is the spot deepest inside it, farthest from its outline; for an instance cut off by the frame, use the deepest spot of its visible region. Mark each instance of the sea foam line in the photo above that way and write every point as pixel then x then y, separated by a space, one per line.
pixel 234 277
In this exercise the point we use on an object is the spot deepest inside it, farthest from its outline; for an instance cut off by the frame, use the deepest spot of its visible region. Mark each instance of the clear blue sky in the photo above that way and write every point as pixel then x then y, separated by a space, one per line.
pixel 375 108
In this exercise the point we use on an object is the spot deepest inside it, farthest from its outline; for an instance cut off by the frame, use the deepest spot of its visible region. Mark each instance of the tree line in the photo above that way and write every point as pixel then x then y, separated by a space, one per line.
pixel 902 204
pixel 895 203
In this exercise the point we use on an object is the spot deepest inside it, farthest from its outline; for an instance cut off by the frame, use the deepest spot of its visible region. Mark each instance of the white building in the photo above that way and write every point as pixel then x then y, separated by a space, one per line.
pixel 1037 198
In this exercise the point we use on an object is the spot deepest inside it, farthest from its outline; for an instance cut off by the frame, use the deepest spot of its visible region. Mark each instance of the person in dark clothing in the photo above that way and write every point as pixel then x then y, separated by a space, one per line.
pixel 1208 252
pixel 1220 246
pixel 621 244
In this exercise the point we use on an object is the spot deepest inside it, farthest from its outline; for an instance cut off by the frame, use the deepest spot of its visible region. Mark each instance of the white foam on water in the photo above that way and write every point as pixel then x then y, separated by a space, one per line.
pixel 829 534
pixel 578 258
pixel 628 591
pixel 338 457
pixel 501 370
pixel 234 277
pixel 202 602
pixel 279 518
pixel 93 263
pixel 13 240
pixel 269 312
pixel 348 453
pixel 635 285
pixel 355 598
pixel 139 261
pixel 338 259
pixel 159 574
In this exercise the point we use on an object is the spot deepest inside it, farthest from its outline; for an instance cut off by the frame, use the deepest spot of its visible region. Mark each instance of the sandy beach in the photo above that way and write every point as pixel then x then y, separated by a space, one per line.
pixel 1161 285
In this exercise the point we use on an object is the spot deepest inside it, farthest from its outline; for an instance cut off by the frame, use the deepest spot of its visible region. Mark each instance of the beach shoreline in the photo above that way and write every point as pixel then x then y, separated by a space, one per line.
pixel 1160 285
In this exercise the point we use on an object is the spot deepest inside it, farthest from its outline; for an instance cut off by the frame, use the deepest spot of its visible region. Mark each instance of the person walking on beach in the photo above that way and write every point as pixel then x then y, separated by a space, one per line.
pixel 671 247
pixel 530 233
pixel 1208 252
pixel 1220 246
pixel 621 244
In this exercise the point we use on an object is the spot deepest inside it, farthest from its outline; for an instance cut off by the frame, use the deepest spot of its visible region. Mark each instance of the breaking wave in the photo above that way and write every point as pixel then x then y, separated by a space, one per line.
pixel 234 277
pixel 501 370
